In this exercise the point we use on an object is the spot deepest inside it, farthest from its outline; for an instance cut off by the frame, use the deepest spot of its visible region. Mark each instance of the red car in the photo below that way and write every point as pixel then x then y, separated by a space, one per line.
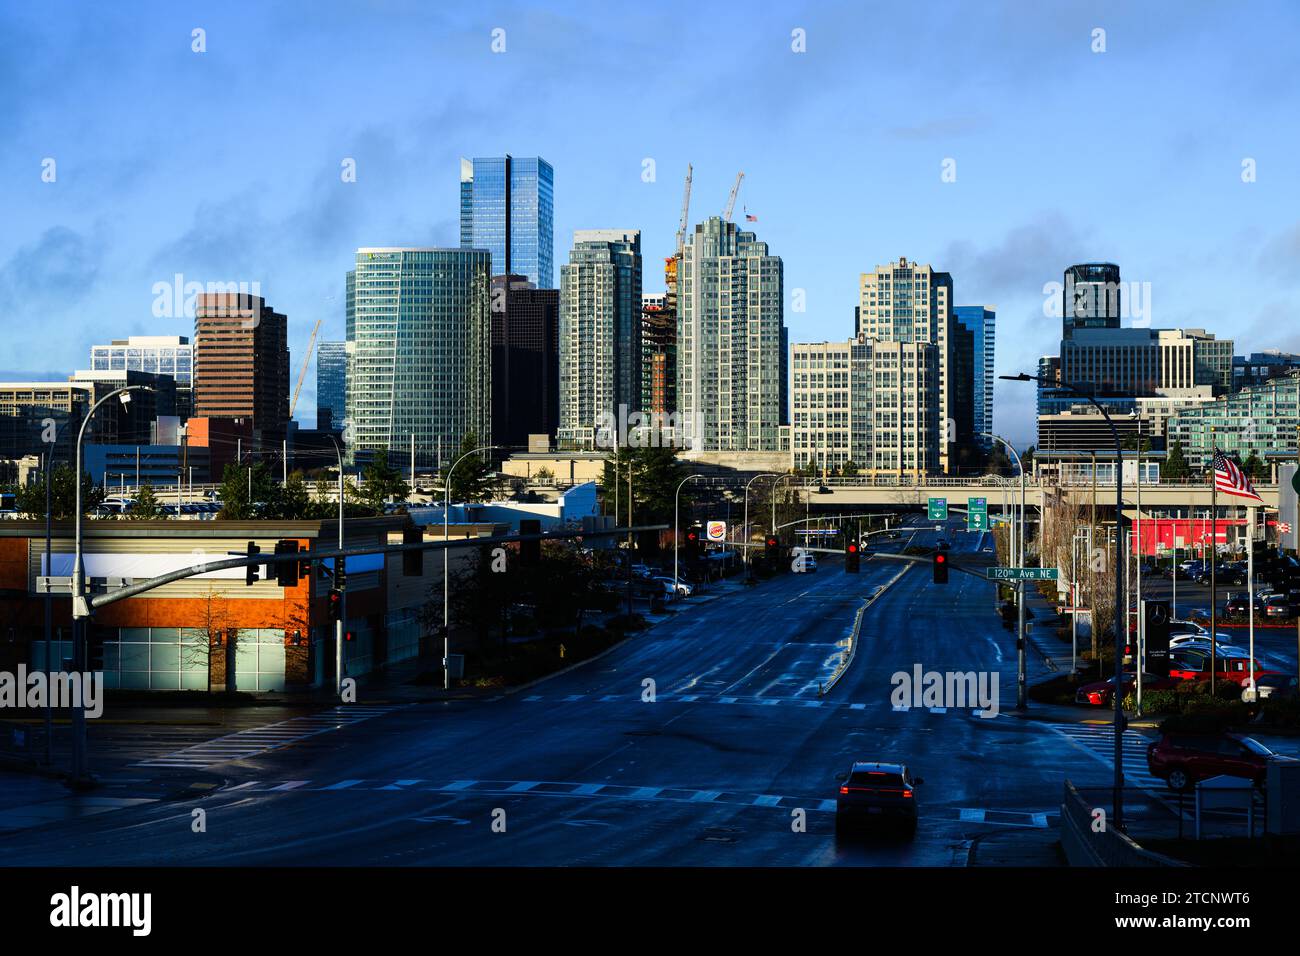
pixel 1230 667
pixel 1099 693
pixel 1182 759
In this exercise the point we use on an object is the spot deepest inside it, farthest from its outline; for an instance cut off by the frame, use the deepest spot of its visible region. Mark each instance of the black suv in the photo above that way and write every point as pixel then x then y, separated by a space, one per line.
pixel 880 794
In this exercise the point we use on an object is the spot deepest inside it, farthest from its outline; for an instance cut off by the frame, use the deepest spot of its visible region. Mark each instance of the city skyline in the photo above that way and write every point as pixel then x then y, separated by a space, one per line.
pixel 268 204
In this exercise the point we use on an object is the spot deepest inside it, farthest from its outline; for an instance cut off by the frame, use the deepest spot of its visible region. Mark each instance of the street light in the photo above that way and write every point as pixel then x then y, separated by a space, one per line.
pixel 676 533
pixel 80 606
pixel 1120 609
pixel 1020 585
pixel 343 595
pixel 774 484
pixel 446 579
pixel 747 484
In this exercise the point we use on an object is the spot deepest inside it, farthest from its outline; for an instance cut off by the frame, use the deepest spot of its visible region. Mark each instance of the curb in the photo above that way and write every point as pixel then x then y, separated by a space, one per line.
pixel 857 630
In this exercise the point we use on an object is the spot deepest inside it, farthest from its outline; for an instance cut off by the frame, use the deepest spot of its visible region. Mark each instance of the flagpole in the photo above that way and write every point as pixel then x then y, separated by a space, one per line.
pixel 1214 559
pixel 1250 590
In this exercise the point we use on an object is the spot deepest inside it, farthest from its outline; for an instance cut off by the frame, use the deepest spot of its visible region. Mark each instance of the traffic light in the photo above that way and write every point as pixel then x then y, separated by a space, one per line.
pixel 335 605
pixel 412 561
pixel 340 573
pixel 530 552
pixel 852 557
pixel 692 543
pixel 251 572
pixel 286 572
pixel 940 568
pixel 772 550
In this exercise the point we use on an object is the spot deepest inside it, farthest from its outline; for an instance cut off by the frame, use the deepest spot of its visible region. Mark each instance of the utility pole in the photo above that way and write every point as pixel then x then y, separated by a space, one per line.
pixel 284 463
pixel 412 461
pixel 49 615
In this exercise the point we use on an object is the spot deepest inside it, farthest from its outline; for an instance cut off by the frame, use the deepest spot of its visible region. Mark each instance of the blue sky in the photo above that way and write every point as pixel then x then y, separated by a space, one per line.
pixel 224 165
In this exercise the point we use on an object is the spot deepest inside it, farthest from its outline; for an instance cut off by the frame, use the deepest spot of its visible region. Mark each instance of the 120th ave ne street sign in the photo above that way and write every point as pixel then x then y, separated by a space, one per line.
pixel 1021 574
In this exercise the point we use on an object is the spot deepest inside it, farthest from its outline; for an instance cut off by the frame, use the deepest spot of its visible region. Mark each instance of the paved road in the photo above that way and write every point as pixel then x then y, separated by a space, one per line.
pixel 718 766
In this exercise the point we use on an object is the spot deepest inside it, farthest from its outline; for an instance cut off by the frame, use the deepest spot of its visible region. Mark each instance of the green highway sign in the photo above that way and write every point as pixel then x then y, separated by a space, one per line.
pixel 1021 574
pixel 937 509
pixel 977 514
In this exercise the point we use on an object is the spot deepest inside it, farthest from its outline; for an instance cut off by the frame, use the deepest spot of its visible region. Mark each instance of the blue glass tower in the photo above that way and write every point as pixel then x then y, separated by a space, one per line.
pixel 982 323
pixel 507 206
pixel 331 383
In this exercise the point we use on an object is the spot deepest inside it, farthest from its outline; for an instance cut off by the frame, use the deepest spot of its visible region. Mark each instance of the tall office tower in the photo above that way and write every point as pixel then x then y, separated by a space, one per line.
pixel 1090 298
pixel 731 367
pixel 658 353
pixel 331 384
pixel 507 206
pixel 241 363
pixel 419 351
pixel 600 332
pixel 981 320
pixel 525 361
pixel 162 354
pixel 910 303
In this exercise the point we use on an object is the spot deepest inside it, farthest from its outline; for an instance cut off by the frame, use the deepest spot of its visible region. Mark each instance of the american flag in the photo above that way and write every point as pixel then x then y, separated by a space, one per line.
pixel 749 217
pixel 1231 480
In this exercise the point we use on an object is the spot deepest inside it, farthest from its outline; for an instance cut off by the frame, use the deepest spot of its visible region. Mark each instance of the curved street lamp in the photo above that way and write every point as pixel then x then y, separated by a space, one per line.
pixel 1117 792
pixel 80 607
pixel 676 534
pixel 1020 585
pixel 446 591
pixel 746 544
pixel 343 595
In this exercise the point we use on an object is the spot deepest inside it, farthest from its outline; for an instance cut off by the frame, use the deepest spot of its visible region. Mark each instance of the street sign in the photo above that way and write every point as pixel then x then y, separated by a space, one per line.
pixel 937 509
pixel 716 531
pixel 977 514
pixel 1022 574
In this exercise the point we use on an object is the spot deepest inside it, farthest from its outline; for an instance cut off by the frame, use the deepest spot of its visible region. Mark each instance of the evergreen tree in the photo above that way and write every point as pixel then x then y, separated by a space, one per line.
pixel 146 504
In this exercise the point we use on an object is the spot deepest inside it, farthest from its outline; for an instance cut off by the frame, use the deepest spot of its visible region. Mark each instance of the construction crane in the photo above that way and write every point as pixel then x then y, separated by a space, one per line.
pixel 311 342
pixel 686 209
pixel 731 200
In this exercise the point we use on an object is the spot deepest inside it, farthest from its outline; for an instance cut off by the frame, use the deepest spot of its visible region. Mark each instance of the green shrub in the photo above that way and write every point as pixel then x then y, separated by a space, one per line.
pixel 1162 702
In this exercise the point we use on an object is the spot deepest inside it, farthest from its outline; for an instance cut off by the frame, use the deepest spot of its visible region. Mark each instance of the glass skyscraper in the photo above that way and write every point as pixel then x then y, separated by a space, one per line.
pixel 507 206
pixel 420 350
pixel 162 354
pixel 331 383
pixel 982 323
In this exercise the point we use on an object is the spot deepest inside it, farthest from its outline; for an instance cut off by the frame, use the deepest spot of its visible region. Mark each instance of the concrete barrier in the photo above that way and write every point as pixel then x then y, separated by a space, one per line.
pixel 1085 847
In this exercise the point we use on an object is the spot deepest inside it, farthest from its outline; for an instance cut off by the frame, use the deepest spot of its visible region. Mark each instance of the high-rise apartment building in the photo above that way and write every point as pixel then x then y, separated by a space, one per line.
pixel 600 332
pixel 525 360
pixel 162 354
pixel 981 320
pixel 241 362
pixel 419 351
pixel 1090 298
pixel 507 206
pixel 867 402
pixel 331 384
pixel 731 366
pixel 910 303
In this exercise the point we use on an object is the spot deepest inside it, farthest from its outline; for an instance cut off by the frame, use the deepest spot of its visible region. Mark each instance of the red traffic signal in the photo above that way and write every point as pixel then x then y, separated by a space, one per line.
pixel 852 559
pixel 335 605
pixel 940 568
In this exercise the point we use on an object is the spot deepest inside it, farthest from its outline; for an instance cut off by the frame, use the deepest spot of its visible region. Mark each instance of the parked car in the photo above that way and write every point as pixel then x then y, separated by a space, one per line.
pixel 1233 665
pixel 682 588
pixel 1199 641
pixel 1100 694
pixel 874 793
pixel 1182 759
pixel 1279 606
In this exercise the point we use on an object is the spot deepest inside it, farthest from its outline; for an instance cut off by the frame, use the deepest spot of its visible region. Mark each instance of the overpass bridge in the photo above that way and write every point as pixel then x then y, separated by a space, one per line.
pixel 907 492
